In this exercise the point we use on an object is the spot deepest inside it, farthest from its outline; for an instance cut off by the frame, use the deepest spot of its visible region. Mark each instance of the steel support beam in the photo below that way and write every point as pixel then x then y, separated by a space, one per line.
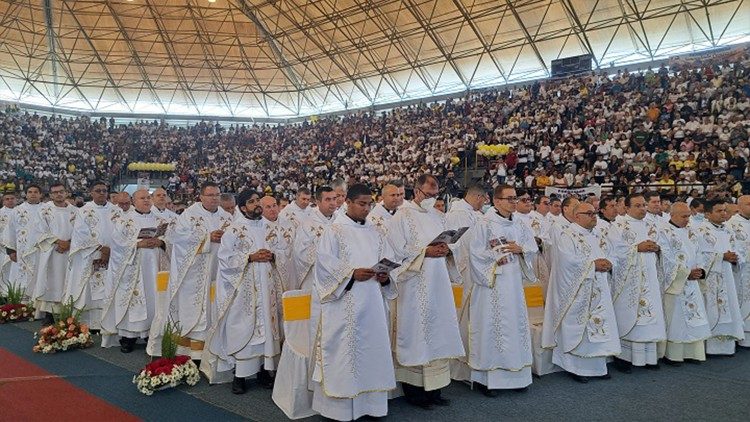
pixel 527 35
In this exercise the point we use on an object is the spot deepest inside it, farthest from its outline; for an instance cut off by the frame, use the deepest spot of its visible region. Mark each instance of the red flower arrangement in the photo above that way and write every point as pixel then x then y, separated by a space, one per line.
pixel 13 312
pixel 170 370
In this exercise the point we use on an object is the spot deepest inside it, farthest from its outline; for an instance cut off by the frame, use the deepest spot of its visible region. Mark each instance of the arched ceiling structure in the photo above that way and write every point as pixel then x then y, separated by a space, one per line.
pixel 290 58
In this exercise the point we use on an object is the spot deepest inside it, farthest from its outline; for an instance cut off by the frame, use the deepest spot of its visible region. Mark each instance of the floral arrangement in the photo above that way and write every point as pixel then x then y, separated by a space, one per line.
pixel 170 370
pixel 493 150
pixel 13 308
pixel 66 333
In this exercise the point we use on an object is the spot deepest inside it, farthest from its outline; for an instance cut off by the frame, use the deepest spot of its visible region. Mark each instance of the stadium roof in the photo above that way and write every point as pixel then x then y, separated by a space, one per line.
pixel 288 58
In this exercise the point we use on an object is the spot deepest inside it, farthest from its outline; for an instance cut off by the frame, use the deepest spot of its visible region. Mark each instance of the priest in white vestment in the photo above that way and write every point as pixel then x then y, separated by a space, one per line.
pixel 195 241
pixel 57 218
pixel 684 309
pixel 354 369
pixel 165 216
pixel 280 239
pixel 6 212
pixel 246 337
pixel 298 210
pixel 498 347
pixel 538 226
pixel 24 239
pixel 426 326
pixel 465 213
pixel 636 289
pixel 717 254
pixel 89 255
pixel 307 236
pixel 383 212
pixel 579 318
pixel 739 225
pixel 130 303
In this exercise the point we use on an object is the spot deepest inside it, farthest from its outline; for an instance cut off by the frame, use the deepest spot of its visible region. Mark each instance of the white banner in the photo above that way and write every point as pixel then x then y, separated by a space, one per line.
pixel 565 192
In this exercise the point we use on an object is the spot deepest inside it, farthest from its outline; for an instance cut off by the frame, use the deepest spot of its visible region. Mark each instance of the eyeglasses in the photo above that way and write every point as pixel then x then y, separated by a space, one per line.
pixel 99 191
pixel 524 199
pixel 426 195
pixel 56 192
pixel 508 198
pixel 590 213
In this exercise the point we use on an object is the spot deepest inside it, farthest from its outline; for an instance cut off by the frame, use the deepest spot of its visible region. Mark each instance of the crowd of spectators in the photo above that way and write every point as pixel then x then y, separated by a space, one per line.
pixel 682 127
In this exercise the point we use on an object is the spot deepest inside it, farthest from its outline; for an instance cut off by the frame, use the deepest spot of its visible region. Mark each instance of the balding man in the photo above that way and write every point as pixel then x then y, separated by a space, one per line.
pixel 739 225
pixel 339 187
pixel 122 200
pixel 685 312
pixel 130 303
pixel 229 204
pixel 160 200
pixel 280 239
pixel 579 318
pixel 381 214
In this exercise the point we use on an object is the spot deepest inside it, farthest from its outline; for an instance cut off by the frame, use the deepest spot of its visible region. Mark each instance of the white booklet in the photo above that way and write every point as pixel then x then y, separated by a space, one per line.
pixel 450 236
pixel 385 266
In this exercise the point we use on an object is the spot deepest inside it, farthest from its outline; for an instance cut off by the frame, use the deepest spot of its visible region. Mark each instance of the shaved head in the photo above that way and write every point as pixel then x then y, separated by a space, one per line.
pixel 142 201
pixel 159 198
pixel 392 198
pixel 584 214
pixel 270 208
pixel 680 214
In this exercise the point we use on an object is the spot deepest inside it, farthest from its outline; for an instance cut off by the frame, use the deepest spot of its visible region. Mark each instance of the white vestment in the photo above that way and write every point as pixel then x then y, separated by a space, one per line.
pixel 49 291
pixel 636 291
pixel 26 236
pixel 462 214
pixel 5 263
pixel 740 228
pixel 380 217
pixel 294 214
pixel 306 240
pixel 498 343
pixel 280 239
pixel 85 283
pixel 130 303
pixel 539 227
pixel 719 288
pixel 246 335
pixel 168 217
pixel 191 275
pixel 426 325
pixel 684 309
pixel 579 318
pixel 354 368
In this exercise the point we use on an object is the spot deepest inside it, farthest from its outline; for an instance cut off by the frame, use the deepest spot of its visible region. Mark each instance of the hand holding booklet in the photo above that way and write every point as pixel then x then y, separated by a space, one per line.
pixel 449 236
pixel 385 266
pixel 152 232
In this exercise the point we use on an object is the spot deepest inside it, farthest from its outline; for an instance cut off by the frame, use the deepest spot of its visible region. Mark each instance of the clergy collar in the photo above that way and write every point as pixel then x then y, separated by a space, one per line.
pixel 675 225
pixel 655 215
pixel 360 222
pixel 509 217
pixel 141 213
pixel 160 209
pixel 210 212
pixel 718 226
pixel 100 205
pixel 391 212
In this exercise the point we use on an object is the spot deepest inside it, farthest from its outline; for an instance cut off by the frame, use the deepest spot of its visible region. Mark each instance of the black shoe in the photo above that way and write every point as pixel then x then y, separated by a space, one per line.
pixel 127 344
pixel 672 362
pixel 606 376
pixel 521 390
pixel 94 332
pixel 419 402
pixel 489 392
pixel 435 397
pixel 653 367
pixel 197 362
pixel 265 379
pixel 48 320
pixel 238 385
pixel 693 361
pixel 579 378
pixel 623 366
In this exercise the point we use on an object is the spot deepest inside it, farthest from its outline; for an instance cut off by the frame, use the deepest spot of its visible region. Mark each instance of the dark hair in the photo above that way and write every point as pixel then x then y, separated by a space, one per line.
pixel 696 203
pixel 475 189
pixel 320 191
pixel 208 185
pixel 304 191
pixel 245 196
pixel 56 184
pixel 538 199
pixel 521 192
pixel 651 194
pixel 396 182
pixel 629 198
pixel 98 183
pixel 358 190
pixel 605 199
pixel 33 185
pixel 498 192
pixel 424 178
pixel 711 203
pixel 566 202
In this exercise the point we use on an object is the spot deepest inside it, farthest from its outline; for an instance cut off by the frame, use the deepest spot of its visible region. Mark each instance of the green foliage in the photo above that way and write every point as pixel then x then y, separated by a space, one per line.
pixel 15 294
pixel 68 310
pixel 170 341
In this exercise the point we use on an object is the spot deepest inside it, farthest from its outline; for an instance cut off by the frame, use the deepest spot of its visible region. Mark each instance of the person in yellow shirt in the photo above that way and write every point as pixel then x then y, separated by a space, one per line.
pixel 543 180
pixel 677 163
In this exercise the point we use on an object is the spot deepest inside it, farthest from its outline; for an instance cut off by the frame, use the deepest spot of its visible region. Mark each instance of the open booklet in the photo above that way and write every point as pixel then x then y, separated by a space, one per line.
pixel 385 266
pixel 151 232
pixel 450 236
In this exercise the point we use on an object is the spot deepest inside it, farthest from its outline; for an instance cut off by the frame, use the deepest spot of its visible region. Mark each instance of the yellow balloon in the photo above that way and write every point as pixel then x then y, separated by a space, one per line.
pixel 455 160
pixel 357 145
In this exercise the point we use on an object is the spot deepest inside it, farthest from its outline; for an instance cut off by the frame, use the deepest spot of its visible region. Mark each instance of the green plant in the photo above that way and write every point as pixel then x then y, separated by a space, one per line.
pixel 170 340
pixel 16 293
pixel 68 310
